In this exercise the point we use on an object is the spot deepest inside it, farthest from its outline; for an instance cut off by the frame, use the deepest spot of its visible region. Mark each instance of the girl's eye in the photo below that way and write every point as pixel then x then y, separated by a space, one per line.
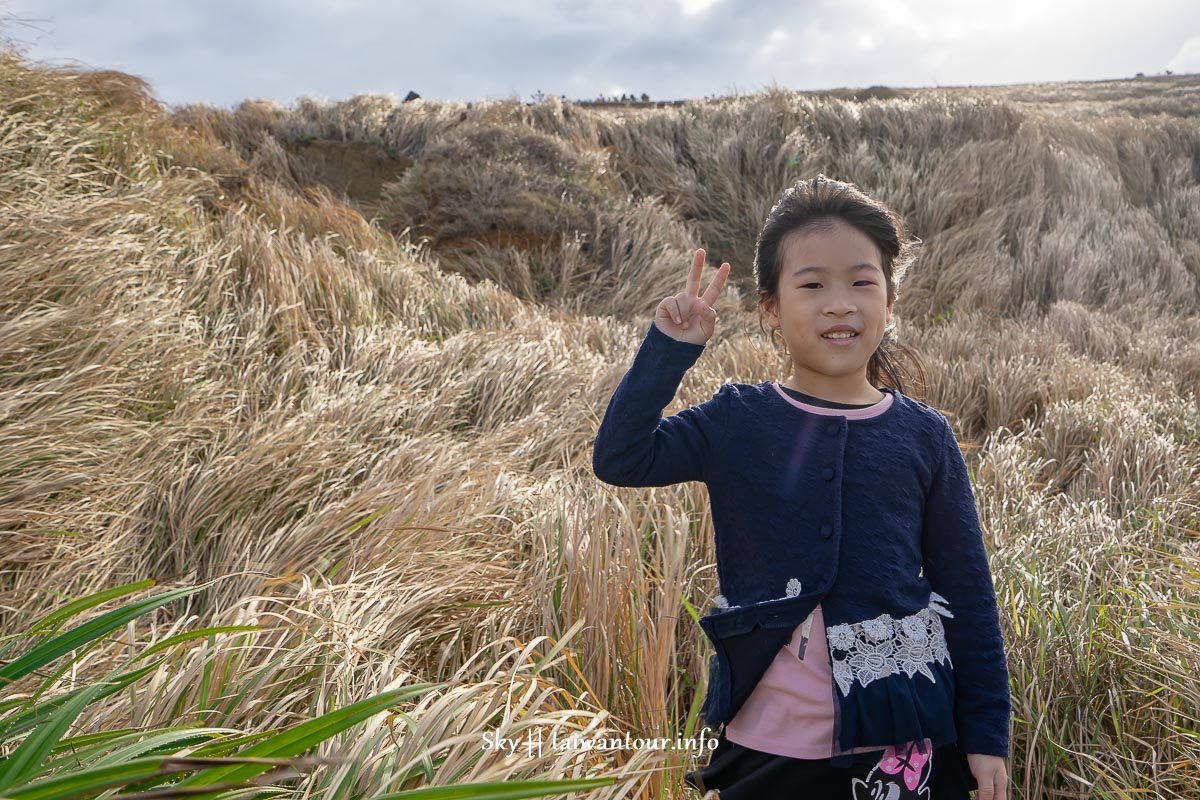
pixel 868 283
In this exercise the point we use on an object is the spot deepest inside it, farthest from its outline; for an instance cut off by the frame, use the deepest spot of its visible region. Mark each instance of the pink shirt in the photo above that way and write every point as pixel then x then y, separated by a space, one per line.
pixel 791 710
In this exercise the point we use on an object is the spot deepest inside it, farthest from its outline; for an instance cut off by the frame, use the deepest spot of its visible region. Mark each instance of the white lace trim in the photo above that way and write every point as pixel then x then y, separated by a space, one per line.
pixel 791 590
pixel 876 648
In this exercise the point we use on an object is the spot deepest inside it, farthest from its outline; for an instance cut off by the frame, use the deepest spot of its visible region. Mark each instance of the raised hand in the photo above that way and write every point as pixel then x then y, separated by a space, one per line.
pixel 687 316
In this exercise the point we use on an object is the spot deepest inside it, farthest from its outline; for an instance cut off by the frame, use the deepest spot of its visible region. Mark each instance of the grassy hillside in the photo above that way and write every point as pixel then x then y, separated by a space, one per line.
pixel 349 359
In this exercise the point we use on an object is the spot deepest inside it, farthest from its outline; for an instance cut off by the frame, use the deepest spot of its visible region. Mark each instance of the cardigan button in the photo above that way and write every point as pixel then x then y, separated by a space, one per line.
pixel 832 429
pixel 827 473
pixel 826 531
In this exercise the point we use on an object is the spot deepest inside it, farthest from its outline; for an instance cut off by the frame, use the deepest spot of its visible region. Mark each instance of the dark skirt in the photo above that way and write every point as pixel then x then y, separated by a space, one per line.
pixel 740 773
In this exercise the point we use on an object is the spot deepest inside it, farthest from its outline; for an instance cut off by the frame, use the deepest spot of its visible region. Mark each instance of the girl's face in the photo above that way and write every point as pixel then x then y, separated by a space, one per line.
pixel 830 277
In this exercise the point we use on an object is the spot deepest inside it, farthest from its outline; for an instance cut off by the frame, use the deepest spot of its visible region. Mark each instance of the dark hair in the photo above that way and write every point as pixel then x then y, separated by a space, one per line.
pixel 815 204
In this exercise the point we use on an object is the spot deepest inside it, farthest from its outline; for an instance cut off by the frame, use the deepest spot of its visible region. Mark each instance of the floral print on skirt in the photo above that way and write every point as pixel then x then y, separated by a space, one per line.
pixel 900 774
pixel 913 771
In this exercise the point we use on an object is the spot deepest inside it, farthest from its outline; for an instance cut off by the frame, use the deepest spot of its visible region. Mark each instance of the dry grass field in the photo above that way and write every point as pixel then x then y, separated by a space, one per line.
pixel 343 363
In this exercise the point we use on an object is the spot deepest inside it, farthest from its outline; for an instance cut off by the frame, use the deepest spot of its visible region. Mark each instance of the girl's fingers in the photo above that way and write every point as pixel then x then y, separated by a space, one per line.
pixel 717 284
pixel 693 281
pixel 673 309
pixel 684 303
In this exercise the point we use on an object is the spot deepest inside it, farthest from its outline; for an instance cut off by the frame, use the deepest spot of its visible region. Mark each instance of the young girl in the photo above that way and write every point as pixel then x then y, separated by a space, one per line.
pixel 856 637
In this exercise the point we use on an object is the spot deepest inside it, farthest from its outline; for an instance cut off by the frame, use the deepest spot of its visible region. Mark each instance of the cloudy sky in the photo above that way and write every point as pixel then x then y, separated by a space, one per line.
pixel 223 51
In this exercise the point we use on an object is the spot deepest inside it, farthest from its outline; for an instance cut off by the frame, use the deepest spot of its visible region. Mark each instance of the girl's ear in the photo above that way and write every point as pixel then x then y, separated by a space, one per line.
pixel 767 305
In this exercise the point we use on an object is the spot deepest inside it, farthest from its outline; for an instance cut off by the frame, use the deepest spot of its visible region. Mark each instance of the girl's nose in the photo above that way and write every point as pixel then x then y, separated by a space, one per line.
pixel 840 306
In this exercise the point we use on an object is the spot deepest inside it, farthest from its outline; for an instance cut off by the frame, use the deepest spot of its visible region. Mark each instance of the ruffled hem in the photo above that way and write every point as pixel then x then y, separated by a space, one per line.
pixel 898 709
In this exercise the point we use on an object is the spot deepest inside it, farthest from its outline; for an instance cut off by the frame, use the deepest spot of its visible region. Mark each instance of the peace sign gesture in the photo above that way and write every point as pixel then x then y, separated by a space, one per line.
pixel 685 316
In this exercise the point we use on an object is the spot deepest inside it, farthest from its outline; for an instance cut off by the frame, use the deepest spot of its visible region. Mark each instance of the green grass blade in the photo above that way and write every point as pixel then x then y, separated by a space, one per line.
pixel 85 741
pixel 86 782
pixel 49 623
pixel 88 632
pixel 164 743
pixel 13 726
pixel 95 750
pixel 52 620
pixel 188 636
pixel 296 740
pixel 558 646
pixel 227 746
pixel 26 759
pixel 691 610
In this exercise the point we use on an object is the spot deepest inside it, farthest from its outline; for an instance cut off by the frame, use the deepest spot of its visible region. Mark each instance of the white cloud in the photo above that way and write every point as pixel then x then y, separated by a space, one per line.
pixel 222 51
pixel 693 7
pixel 775 40
pixel 1187 59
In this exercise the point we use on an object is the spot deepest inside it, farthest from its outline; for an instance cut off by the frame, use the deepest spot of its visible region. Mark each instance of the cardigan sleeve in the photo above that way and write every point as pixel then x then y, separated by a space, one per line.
pixel 636 445
pixel 956 564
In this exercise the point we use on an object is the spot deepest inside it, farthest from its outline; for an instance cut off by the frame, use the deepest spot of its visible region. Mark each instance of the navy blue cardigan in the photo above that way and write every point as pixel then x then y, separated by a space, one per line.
pixel 873 518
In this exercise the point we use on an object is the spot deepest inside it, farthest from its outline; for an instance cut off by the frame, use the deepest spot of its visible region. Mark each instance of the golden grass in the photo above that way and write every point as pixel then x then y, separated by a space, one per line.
pixel 210 367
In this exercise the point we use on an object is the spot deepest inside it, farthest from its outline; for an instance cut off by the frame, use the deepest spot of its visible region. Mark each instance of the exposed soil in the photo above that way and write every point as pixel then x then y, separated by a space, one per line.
pixel 357 171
